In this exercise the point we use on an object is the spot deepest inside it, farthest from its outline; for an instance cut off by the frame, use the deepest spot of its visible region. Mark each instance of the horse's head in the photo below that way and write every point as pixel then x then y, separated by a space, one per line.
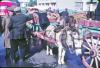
pixel 75 33
pixel 72 22
pixel 50 31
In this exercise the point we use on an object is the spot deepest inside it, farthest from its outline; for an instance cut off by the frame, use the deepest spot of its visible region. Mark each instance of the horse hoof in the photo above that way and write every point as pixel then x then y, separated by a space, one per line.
pixel 47 54
pixel 59 63
pixel 62 62
pixel 51 54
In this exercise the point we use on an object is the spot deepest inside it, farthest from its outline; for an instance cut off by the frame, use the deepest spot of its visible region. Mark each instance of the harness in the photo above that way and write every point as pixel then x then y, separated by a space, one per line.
pixel 53 24
pixel 36 28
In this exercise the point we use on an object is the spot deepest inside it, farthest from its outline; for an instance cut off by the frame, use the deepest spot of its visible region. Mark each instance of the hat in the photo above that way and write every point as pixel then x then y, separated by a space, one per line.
pixel 17 9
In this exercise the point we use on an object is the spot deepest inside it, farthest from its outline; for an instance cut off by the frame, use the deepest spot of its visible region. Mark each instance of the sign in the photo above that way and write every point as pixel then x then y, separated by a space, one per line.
pixel 4 5
pixel 23 0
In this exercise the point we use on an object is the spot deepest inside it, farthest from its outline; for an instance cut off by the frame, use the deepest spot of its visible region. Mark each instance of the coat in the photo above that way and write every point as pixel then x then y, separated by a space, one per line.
pixel 17 26
pixel 5 22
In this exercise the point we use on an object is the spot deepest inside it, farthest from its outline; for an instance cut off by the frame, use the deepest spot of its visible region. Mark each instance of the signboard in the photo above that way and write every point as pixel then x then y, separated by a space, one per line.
pixel 23 0
pixel 90 0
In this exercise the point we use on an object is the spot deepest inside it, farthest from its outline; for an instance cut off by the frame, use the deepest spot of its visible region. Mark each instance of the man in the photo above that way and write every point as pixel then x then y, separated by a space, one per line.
pixel 65 14
pixel 17 34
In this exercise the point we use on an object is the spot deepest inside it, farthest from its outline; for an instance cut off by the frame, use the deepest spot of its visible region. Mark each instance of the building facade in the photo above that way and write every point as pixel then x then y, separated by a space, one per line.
pixel 56 4
pixel 85 5
pixel 79 5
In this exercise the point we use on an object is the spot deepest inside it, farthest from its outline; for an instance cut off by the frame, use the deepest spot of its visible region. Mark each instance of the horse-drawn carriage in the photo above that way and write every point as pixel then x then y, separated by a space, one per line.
pixel 83 39
pixel 90 30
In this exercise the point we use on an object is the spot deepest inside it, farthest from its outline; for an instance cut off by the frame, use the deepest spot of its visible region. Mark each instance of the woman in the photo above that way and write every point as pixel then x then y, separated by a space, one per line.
pixel 5 23
pixel 33 29
pixel 2 49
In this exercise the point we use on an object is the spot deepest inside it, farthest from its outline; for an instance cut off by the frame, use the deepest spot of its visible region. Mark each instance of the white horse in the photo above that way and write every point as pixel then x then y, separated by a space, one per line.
pixel 51 34
pixel 74 42
pixel 61 51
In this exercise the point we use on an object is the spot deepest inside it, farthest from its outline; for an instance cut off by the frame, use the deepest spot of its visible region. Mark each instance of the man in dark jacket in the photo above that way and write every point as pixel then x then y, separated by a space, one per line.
pixel 17 34
pixel 65 14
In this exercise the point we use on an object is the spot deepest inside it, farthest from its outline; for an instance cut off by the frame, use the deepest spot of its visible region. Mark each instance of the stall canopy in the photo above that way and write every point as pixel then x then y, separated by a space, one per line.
pixel 4 5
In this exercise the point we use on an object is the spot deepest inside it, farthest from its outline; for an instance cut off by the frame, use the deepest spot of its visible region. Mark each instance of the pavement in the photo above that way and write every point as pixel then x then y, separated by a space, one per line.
pixel 41 60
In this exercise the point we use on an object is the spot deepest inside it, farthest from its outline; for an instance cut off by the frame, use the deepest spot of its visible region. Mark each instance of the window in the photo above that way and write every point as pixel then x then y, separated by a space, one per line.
pixel 53 3
pixel 79 6
pixel 47 4
pixel 42 3
pixel 39 3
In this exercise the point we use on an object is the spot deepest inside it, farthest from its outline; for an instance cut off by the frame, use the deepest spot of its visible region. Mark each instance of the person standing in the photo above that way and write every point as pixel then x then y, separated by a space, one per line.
pixel 37 28
pixel 97 12
pixel 7 45
pixel 17 28
pixel 2 49
pixel 65 14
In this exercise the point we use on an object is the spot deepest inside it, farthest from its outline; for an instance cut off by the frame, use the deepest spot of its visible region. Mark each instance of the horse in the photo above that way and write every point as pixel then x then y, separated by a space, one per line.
pixel 51 34
pixel 57 36
pixel 66 36
pixel 74 41
pixel 71 38
pixel 55 32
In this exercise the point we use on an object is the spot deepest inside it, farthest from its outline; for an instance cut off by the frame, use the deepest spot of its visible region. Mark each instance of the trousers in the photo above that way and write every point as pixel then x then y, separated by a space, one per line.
pixel 18 49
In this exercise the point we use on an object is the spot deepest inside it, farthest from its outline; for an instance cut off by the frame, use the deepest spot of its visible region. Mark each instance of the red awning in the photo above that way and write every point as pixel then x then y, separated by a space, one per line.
pixel 7 3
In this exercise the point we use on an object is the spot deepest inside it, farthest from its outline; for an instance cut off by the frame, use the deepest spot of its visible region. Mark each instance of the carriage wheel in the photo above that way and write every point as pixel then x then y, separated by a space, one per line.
pixel 91 53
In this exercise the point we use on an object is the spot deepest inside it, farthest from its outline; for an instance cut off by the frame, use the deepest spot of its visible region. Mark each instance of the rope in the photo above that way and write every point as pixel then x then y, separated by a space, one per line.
pixel 40 35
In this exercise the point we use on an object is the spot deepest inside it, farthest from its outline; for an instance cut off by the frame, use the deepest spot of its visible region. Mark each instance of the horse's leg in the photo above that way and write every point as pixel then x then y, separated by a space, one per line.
pixel 59 53
pixel 47 49
pixel 51 52
pixel 62 58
